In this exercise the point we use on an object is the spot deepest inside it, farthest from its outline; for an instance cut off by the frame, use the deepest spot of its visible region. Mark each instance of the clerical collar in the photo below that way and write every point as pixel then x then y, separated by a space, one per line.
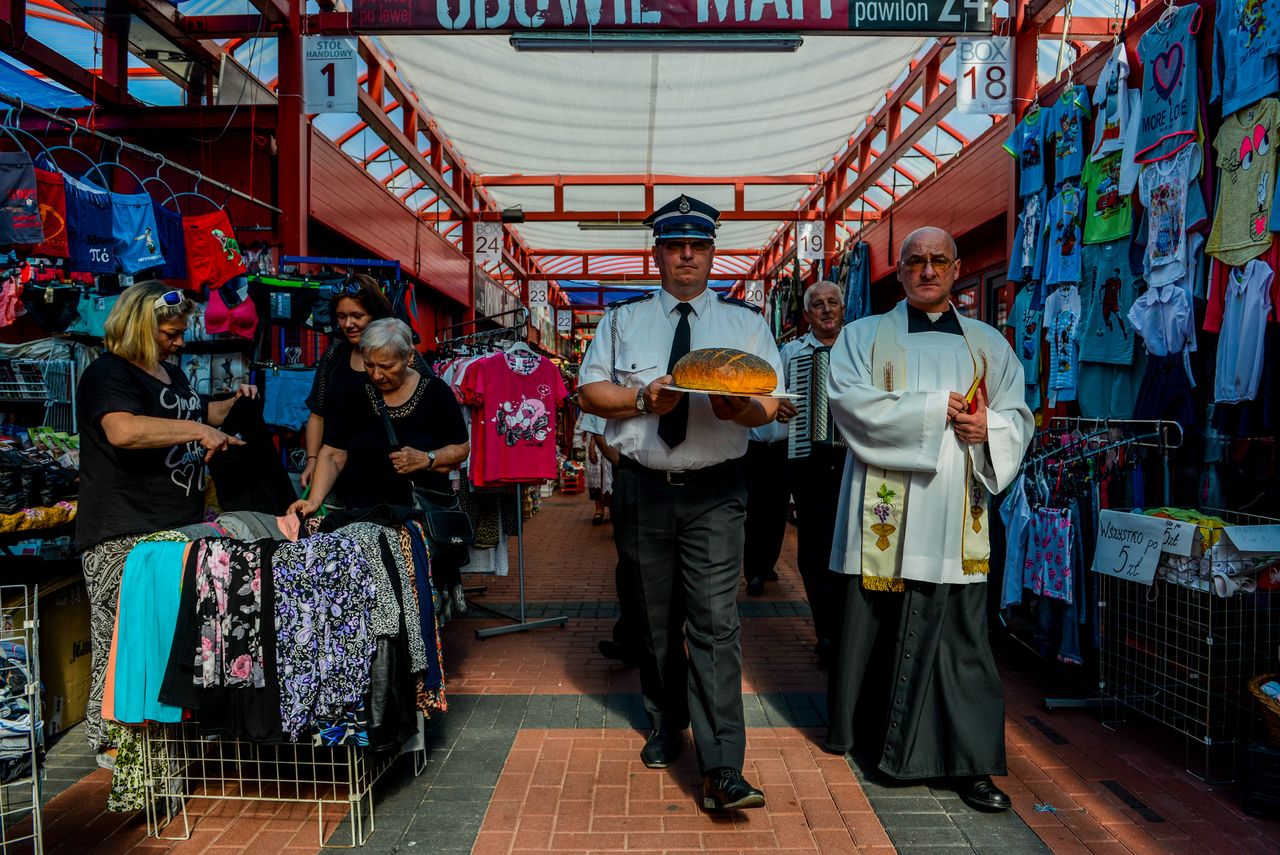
pixel 919 321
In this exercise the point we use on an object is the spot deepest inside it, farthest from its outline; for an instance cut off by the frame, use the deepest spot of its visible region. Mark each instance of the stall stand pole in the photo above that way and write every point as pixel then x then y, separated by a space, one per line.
pixel 523 623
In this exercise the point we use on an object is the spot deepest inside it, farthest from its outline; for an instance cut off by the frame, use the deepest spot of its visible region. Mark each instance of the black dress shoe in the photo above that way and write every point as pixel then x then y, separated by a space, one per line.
pixel 755 587
pixel 614 650
pixel 661 749
pixel 981 794
pixel 726 789
pixel 826 654
pixel 770 576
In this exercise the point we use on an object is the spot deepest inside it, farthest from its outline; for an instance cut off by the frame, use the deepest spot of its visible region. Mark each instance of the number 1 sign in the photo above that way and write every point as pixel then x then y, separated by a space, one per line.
pixel 985 83
pixel 329 75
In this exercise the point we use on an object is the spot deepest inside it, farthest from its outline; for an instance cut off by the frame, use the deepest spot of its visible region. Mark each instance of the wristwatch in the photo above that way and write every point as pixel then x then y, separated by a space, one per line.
pixel 640 402
pixel 431 459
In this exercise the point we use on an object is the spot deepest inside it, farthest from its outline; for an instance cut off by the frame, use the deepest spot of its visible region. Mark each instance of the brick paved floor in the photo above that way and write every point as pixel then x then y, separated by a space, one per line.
pixel 538 753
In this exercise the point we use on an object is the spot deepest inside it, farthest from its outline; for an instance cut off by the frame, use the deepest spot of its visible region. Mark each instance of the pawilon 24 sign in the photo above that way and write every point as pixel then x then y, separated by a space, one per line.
pixel 922 17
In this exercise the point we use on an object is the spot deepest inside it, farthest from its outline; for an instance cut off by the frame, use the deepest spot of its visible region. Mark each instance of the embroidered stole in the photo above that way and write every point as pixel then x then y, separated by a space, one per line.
pixel 884 501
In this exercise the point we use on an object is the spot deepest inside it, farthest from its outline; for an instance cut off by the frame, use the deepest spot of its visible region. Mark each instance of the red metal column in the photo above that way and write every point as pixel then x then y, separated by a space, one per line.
pixel 469 244
pixel 293 163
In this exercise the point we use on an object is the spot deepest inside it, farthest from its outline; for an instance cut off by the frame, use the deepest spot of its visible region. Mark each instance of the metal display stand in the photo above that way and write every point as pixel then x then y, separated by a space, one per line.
pixel 522 623
pixel 179 765
pixel 21 731
pixel 1184 656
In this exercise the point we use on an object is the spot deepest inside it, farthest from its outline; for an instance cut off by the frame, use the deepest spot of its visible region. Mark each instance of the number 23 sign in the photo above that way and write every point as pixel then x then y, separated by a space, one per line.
pixel 985 83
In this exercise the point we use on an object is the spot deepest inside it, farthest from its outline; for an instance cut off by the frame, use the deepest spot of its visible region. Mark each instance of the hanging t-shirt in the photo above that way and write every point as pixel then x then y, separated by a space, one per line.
pixel 19 202
pixel 1164 188
pixel 135 490
pixel 1026 261
pixel 51 194
pixel 89 225
pixel 1111 104
pixel 1062 227
pixel 1062 330
pixel 1028 143
pixel 1068 118
pixel 513 431
pixel 1246 37
pixel 213 253
pixel 1247 157
pixel 1244 323
pixel 1106 294
pixel 1026 323
pixel 1108 212
pixel 136 236
pixel 1170 78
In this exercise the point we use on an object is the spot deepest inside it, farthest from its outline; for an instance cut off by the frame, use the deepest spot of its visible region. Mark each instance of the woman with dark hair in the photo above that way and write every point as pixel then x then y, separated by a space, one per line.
pixel 356 302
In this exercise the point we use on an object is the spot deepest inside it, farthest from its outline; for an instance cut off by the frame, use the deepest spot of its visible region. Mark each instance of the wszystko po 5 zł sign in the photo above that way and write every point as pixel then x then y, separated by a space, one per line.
pixel 926 17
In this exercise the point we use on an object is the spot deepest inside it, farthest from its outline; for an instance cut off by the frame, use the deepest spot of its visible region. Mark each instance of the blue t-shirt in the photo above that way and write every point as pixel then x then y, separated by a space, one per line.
pixel 1026 258
pixel 1246 38
pixel 1062 228
pixel 1026 323
pixel 1067 117
pixel 1169 81
pixel 1107 292
pixel 1028 143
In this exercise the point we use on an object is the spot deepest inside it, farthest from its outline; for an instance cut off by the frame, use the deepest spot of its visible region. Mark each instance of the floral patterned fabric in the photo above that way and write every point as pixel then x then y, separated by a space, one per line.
pixel 324 596
pixel 375 541
pixel 229 611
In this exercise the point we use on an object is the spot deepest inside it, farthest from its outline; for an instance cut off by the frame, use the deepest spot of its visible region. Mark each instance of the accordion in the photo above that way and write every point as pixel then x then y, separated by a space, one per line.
pixel 812 424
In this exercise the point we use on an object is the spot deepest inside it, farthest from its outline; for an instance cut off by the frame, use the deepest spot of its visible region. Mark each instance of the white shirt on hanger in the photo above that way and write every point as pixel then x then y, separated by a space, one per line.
pixel 1244 323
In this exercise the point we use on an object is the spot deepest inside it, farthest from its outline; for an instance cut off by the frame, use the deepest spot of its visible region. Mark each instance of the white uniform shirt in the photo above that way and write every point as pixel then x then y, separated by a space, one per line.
pixel 646 328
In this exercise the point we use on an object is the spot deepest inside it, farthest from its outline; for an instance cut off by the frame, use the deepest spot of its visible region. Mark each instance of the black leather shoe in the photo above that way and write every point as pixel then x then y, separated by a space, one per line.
pixel 726 789
pixel 661 749
pixel 981 794
pixel 755 587
pixel 770 576
pixel 614 650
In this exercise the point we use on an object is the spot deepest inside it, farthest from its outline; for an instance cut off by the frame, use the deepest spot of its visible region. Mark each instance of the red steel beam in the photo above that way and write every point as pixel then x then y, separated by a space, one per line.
pixel 638 179
pixel 228 26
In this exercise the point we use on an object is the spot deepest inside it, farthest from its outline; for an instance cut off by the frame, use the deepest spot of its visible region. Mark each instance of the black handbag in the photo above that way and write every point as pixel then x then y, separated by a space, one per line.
pixel 446 523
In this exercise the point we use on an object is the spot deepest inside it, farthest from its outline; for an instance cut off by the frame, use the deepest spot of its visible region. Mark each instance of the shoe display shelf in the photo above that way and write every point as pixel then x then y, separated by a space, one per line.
pixel 21 721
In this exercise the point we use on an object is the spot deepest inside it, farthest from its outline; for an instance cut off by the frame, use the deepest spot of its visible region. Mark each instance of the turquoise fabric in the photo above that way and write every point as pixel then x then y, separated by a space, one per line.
pixel 149 595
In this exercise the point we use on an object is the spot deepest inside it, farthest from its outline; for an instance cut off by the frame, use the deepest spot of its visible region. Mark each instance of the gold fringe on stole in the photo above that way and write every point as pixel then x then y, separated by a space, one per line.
pixel 883 583
pixel 976 566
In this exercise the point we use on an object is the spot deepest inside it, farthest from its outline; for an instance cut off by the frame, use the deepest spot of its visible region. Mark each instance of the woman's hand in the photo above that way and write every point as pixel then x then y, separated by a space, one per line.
pixel 215 440
pixel 306 507
pixel 308 472
pixel 247 390
pixel 408 460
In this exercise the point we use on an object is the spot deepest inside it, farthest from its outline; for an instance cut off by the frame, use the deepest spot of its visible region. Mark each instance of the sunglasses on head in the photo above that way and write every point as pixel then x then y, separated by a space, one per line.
pixel 347 287
pixel 169 299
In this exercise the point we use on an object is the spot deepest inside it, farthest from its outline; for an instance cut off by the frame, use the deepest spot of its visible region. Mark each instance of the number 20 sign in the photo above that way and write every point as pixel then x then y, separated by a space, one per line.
pixel 985 84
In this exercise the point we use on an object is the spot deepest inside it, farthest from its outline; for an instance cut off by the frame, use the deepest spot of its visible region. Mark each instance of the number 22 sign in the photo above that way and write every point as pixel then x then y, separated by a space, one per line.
pixel 985 84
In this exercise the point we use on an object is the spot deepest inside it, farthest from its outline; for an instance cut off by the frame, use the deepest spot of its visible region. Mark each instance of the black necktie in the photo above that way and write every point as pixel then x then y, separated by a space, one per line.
pixel 673 426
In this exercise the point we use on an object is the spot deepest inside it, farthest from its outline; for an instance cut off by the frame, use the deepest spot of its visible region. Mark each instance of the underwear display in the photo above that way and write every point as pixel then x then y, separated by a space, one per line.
pixel 89 226
pixel 173 241
pixel 19 208
pixel 51 194
pixel 231 311
pixel 213 254
pixel 134 233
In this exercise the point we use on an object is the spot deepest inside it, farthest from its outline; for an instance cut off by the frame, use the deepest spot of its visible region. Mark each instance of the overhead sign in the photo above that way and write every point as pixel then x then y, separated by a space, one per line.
pixel 564 320
pixel 538 295
pixel 329 74
pixel 908 17
pixel 810 243
pixel 1129 545
pixel 753 292
pixel 488 243
pixel 986 75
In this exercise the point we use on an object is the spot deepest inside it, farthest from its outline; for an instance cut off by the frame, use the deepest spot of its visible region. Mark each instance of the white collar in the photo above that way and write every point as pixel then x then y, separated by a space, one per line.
pixel 668 301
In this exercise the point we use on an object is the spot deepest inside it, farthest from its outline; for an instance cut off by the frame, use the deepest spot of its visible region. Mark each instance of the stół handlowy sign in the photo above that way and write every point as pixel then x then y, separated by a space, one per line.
pixel 1129 545
pixel 913 17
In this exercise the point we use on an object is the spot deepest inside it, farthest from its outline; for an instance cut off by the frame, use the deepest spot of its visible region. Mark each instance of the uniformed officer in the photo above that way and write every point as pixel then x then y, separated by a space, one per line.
pixel 679 496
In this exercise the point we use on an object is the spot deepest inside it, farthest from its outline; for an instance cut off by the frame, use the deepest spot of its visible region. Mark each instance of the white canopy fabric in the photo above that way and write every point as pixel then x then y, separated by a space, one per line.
pixel 695 114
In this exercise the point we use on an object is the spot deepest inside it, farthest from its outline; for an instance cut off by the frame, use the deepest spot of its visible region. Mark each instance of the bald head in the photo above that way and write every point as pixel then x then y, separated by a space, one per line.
pixel 929 235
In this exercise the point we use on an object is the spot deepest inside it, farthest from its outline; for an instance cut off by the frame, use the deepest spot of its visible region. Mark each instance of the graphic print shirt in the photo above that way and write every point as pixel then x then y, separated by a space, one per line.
pixel 1246 154
pixel 513 426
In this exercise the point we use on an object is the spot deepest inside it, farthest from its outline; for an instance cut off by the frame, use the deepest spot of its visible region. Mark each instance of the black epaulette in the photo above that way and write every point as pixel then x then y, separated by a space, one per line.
pixel 734 301
pixel 639 298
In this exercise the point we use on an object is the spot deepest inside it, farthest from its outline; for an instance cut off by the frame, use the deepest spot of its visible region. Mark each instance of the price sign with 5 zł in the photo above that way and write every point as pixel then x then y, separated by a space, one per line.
pixel 329 75
pixel 985 69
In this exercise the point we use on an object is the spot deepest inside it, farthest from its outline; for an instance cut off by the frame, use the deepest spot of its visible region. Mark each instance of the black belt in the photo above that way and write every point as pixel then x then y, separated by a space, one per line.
pixel 678 477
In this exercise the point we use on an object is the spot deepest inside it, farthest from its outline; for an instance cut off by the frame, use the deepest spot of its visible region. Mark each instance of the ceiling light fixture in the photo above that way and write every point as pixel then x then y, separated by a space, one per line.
pixel 658 41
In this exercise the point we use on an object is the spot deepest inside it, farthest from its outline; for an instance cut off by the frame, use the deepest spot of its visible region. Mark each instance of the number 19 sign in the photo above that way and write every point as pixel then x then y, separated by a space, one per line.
pixel 329 74
pixel 985 83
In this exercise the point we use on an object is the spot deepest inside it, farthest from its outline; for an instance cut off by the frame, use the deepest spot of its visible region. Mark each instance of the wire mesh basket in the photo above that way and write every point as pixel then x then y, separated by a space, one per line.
pixel 50 382
pixel 1183 654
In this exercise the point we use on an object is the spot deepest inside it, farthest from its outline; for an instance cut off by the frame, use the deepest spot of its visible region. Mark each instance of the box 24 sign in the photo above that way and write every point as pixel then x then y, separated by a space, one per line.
pixel 912 17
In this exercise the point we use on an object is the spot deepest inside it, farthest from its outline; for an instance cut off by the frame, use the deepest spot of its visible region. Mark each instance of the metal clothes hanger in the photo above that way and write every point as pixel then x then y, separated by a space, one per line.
pixel 164 161
pixel 194 192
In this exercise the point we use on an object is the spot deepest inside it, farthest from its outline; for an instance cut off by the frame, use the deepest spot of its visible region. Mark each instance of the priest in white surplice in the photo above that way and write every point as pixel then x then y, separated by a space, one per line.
pixel 932 406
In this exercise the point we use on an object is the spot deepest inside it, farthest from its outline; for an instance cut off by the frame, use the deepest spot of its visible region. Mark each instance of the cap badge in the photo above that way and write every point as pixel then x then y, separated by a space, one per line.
pixel 684 205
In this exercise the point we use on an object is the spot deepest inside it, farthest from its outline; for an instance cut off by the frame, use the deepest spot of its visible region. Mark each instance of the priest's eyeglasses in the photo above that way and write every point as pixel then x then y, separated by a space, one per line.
pixel 916 263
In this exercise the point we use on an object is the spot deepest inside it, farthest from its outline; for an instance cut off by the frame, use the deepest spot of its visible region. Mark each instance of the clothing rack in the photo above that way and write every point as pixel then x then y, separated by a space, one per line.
pixel 78 128
pixel 342 262
pixel 443 339
pixel 516 333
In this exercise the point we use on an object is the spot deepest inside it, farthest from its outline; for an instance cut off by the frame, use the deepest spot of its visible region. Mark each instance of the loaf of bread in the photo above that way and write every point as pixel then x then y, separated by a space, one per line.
pixel 723 369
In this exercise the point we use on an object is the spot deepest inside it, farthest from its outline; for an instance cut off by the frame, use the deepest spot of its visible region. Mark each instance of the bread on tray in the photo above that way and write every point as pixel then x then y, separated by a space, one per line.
pixel 723 369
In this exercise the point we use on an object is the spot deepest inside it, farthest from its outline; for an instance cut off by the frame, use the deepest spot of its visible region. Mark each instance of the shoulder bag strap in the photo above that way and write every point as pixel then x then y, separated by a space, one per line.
pixel 381 407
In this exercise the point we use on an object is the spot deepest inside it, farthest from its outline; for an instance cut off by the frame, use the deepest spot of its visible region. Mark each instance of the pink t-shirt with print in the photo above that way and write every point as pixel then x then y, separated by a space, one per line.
pixel 513 426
